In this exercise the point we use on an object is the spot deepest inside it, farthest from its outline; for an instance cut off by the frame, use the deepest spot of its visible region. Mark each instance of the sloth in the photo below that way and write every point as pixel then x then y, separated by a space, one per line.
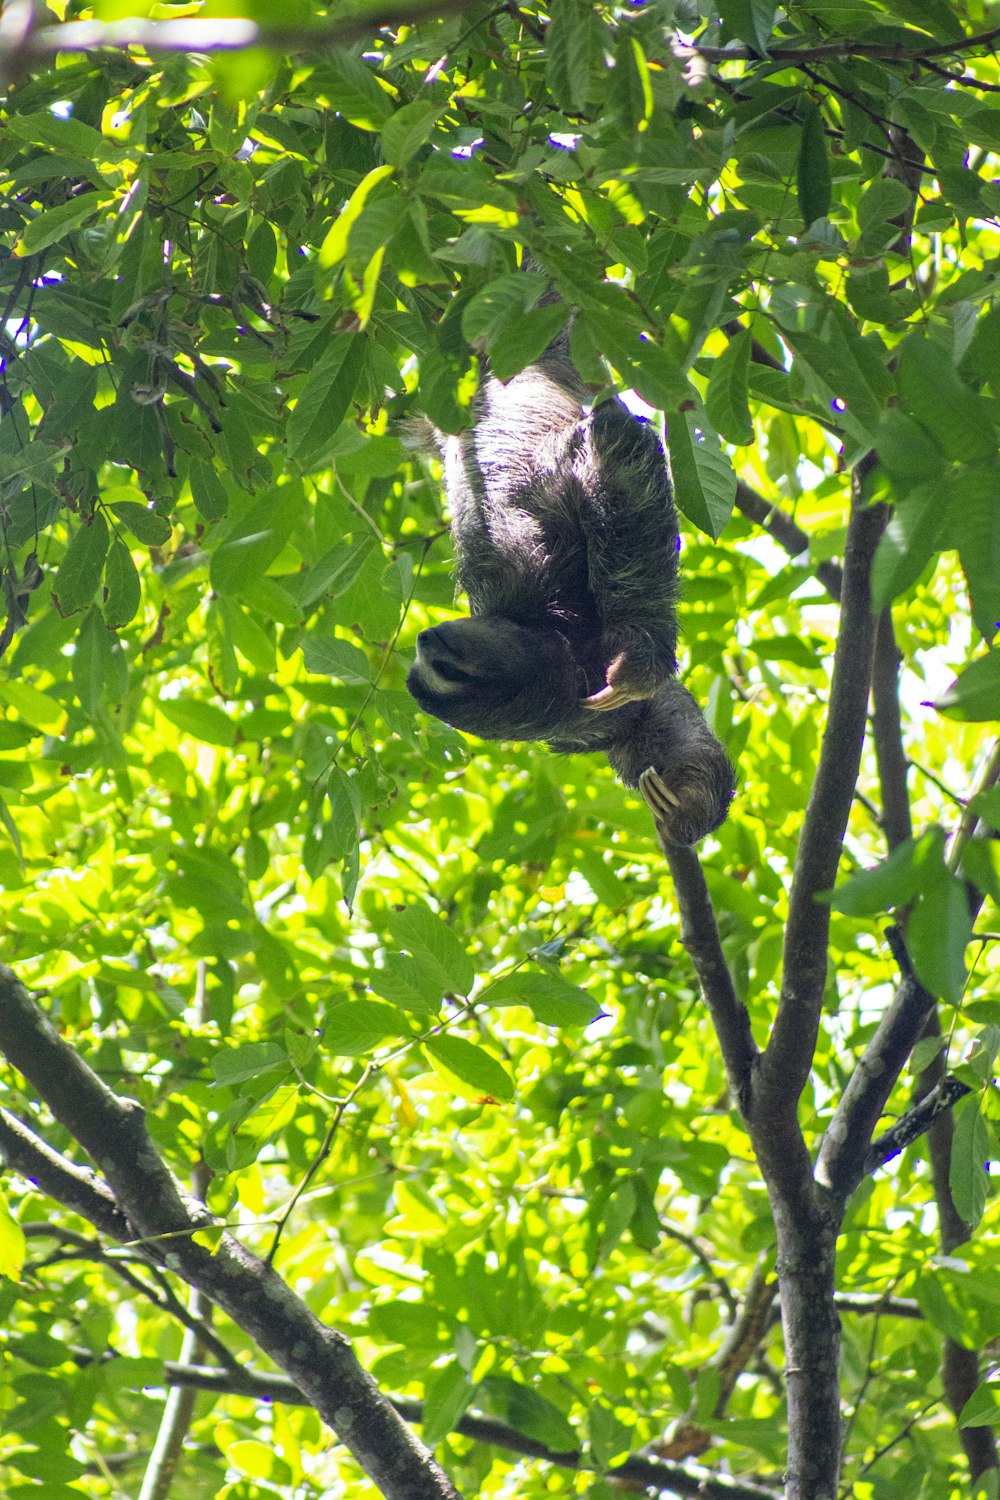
pixel 566 541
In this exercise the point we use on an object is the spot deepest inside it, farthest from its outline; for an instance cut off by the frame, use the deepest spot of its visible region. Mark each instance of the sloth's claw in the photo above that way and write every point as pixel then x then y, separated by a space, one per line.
pixel 616 694
pixel 656 792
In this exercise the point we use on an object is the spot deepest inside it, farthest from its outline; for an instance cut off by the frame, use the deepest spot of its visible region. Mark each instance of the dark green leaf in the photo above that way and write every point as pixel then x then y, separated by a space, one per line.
pixel 203 721
pixel 726 399
pixel 56 223
pixel 121 583
pixel 812 173
pixel 917 864
pixel 968 1178
pixel 143 523
pixel 749 21
pixel 932 391
pixel 528 1411
pixel 80 570
pixel 910 540
pixel 323 402
pixel 574 48
pixel 704 481
pixel 448 1397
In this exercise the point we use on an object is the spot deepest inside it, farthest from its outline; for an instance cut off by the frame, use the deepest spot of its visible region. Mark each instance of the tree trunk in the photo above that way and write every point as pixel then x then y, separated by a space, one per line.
pixel 806 1262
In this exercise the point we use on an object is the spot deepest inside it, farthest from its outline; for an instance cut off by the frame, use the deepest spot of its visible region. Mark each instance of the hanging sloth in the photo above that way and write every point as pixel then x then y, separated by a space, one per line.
pixel 566 540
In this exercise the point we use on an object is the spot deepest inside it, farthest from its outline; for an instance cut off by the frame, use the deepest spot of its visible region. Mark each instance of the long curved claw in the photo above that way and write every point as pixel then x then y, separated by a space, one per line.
pixel 609 697
pixel 656 793
pixel 616 694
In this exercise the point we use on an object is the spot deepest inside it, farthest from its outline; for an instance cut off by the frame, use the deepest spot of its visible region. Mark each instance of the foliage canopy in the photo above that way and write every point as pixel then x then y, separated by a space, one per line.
pixel 420 1006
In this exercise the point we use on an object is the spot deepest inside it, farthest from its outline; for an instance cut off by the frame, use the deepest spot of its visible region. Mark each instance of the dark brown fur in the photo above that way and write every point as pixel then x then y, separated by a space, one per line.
pixel 566 537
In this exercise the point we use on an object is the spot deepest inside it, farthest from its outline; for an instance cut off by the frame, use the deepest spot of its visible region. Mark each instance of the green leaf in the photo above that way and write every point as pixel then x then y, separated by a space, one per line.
pixel 983 1407
pixel 915 865
pixel 13 1245
pixel 12 833
pixel 907 450
pixel 528 1411
pixel 812 171
pixel 704 481
pixel 34 707
pixel 203 721
pixel 326 656
pixel 883 200
pixel 97 666
pixel 238 564
pixel 407 130
pixel 931 390
pixel 235 1065
pixel 911 538
pixel 80 570
pixel 479 1070
pixel 550 999
pixel 144 523
pixel 974 517
pixel 334 246
pixel 981 865
pixel 406 983
pixel 574 53
pixel 324 399
pixel 61 134
pixel 121 585
pixel 726 399
pixel 975 694
pixel 968 1178
pixel 356 1026
pixel 55 224
pixel 438 950
pixel 208 492
pixel 523 338
pixel 937 936
pixel 448 1397
pixel 750 21
pixel 353 89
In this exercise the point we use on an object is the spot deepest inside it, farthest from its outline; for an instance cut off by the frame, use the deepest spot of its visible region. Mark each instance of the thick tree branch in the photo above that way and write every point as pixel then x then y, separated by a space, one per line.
pixel 320 1360
pixel 700 936
pixel 636 1471
pixel 784 1067
pixel 887 733
pixel 77 1188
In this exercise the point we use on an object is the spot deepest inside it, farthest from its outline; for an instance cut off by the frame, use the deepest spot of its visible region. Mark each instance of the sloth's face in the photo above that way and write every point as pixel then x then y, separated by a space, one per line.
pixel 491 677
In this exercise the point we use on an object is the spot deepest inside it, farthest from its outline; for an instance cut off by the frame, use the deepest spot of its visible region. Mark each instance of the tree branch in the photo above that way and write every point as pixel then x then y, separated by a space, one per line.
pixel 784 1067
pixel 319 1359
pixel 885 52
pixel 787 534
pixel 78 1188
pixel 636 1471
pixel 887 733
pixel 914 1123
pixel 700 936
